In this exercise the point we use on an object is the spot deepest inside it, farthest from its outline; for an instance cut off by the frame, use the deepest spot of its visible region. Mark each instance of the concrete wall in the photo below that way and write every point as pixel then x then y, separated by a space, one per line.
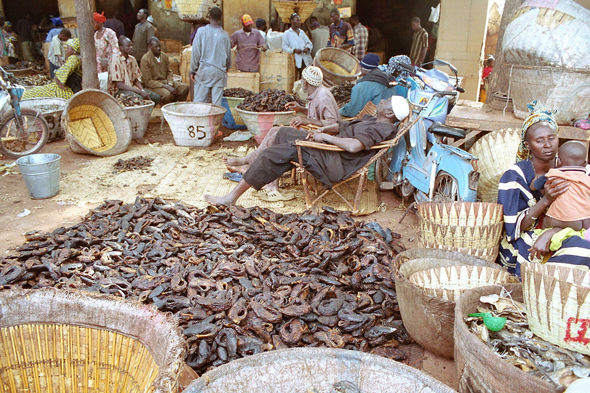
pixel 461 39
pixel 234 9
pixel 167 22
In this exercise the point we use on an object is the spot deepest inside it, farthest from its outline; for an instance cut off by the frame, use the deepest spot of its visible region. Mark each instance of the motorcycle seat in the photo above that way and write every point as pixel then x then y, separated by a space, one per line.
pixel 442 130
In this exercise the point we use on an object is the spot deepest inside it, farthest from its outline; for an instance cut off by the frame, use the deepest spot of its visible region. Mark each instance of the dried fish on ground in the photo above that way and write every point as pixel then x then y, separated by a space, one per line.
pixel 517 344
pixel 240 281
pixel 238 92
pixel 269 101
pixel 342 93
pixel 33 80
pixel 129 101
pixel 133 164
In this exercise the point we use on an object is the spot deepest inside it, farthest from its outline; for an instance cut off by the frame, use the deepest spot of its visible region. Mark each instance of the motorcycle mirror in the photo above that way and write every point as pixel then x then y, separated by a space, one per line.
pixel 407 67
pixel 438 62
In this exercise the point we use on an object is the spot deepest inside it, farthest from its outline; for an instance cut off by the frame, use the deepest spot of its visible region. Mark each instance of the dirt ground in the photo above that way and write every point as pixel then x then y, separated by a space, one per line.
pixel 20 214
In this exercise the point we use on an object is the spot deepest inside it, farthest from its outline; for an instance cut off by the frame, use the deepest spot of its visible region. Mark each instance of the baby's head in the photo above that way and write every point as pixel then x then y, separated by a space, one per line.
pixel 572 153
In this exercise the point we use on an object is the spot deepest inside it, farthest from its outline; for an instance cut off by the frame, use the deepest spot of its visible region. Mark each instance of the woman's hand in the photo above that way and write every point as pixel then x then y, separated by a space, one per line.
pixel 541 246
pixel 59 84
pixel 293 106
pixel 554 187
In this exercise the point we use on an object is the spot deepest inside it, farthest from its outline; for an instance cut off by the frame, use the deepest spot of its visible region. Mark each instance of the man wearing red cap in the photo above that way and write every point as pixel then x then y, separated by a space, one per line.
pixel 248 42
pixel 105 42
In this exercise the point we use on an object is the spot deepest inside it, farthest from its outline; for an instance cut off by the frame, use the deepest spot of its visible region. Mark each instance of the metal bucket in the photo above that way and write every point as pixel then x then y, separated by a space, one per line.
pixel 41 174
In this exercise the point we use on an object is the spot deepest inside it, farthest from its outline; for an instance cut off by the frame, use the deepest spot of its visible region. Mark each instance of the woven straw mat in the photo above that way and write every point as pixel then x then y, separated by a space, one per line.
pixel 185 174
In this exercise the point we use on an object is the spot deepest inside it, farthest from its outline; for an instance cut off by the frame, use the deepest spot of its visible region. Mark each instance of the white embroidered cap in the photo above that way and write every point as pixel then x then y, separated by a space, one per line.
pixel 313 75
pixel 400 107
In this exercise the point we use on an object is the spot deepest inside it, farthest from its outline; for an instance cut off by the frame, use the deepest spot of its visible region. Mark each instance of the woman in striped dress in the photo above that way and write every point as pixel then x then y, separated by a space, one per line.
pixel 61 87
pixel 524 209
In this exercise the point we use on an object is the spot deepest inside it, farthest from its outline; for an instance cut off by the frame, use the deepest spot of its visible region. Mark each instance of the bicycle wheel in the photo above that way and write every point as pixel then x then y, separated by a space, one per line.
pixel 30 139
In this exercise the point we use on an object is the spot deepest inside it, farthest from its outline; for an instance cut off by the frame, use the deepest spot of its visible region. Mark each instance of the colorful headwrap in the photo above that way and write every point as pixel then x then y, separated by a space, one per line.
pixel 394 65
pixel 74 43
pixel 538 113
pixel 7 24
pixel 100 18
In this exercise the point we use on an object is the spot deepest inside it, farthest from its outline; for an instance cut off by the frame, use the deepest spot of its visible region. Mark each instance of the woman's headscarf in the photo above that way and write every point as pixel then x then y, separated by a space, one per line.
pixel 538 113
pixel 100 18
pixel 7 24
pixel 74 43
pixel 394 65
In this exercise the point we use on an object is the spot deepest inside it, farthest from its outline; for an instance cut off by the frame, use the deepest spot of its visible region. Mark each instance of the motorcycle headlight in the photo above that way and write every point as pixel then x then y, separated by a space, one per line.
pixel 473 180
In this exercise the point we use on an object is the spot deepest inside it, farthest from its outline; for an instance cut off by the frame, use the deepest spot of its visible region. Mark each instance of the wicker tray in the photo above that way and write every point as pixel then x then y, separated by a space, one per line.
pixel 285 8
pixel 462 213
pixel 557 303
pixel 69 341
pixel 449 282
pixel 496 152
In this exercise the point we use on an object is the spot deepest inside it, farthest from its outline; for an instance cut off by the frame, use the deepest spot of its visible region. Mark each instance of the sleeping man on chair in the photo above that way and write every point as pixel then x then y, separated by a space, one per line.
pixel 356 139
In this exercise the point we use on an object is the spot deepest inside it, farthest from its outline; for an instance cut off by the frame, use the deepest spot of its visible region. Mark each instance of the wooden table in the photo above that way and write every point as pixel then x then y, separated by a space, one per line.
pixel 479 121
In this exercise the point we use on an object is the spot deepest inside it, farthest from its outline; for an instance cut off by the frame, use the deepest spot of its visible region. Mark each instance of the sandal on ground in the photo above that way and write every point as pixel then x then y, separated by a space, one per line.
pixel 233 176
pixel 275 196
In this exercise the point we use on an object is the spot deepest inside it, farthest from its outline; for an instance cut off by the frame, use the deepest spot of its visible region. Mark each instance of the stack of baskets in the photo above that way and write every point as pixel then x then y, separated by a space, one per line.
pixel 427 283
pixel 473 228
pixel 69 341
pixel 95 123
pixel 496 152
pixel 557 303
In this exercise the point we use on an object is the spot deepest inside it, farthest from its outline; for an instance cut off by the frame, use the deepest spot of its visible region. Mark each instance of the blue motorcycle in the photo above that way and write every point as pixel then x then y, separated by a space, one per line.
pixel 421 164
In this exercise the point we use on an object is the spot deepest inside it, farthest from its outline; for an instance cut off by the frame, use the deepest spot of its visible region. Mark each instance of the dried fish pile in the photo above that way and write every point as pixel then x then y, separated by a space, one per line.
pixel 269 101
pixel 342 93
pixel 34 80
pixel 517 345
pixel 240 281
pixel 129 101
pixel 20 65
pixel 237 92
pixel 133 164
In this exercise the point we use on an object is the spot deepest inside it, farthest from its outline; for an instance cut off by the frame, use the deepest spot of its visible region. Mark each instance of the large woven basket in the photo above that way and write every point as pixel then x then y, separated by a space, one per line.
pixel 496 152
pixel 337 65
pixel 233 102
pixel 474 228
pixel 557 303
pixel 95 123
pixel 449 282
pixel 69 341
pixel 285 8
pixel 428 319
pixel 479 369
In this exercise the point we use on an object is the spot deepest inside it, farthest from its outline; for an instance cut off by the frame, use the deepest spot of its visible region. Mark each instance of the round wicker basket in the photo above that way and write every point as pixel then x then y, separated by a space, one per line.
pixel 337 65
pixel 462 213
pixel 95 123
pixel 56 340
pixel 496 152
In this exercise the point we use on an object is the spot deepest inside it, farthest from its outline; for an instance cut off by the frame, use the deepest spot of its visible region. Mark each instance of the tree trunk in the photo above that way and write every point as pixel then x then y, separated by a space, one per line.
pixel 85 20
pixel 500 77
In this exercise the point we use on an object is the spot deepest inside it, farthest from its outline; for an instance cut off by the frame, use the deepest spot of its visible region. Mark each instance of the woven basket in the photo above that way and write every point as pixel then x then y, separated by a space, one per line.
pixel 428 319
pixel 342 59
pixel 95 123
pixel 479 369
pixel 69 341
pixel 449 282
pixel 285 8
pixel 461 213
pixel 488 254
pixel 479 236
pixel 496 152
pixel 557 303
pixel 233 102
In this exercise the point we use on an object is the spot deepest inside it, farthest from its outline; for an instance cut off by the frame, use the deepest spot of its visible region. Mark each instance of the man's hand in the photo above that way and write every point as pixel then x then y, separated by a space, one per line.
pixel 144 94
pixel 171 89
pixel 193 77
pixel 298 51
pixel 298 121
pixel 317 135
pixel 306 50
pixel 293 106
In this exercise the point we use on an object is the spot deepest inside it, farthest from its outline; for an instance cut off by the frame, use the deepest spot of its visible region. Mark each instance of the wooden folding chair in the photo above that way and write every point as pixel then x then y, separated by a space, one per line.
pixel 361 173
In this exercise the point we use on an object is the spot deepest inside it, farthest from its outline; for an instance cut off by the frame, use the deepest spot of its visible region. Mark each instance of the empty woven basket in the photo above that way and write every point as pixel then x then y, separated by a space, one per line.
pixel 496 152
pixel 449 282
pixel 557 303
pixel 474 228
pixel 95 123
pixel 69 341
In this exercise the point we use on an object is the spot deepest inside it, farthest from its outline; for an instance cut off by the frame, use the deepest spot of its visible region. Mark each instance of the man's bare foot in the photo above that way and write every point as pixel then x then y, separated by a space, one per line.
pixel 218 200
pixel 234 161
pixel 240 169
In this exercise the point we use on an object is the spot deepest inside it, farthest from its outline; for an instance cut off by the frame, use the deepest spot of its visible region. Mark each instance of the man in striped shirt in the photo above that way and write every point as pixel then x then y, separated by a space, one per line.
pixel 419 42
pixel 361 37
